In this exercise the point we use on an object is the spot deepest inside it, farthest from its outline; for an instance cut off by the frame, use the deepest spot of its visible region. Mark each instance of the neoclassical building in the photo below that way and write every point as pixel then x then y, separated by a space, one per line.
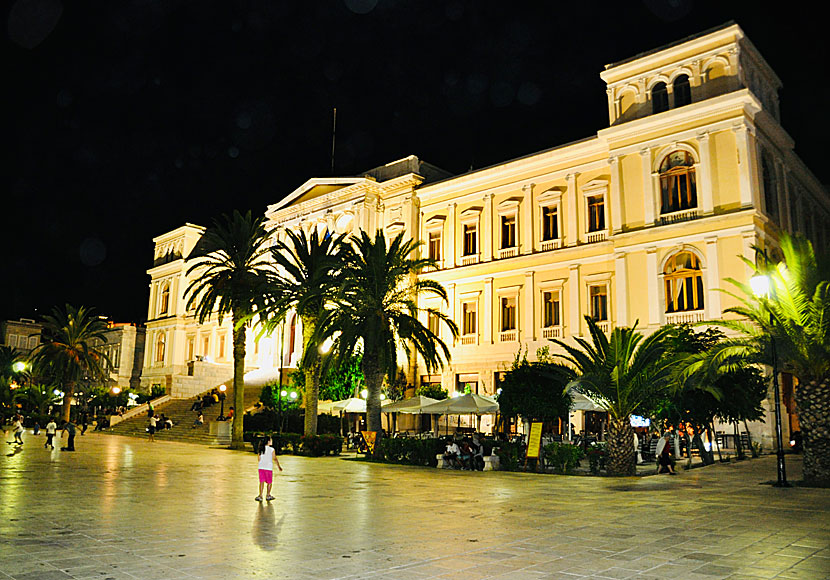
pixel 640 223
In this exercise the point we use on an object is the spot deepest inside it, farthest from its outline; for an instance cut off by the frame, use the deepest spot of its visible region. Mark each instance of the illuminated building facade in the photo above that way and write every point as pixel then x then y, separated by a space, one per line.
pixel 640 223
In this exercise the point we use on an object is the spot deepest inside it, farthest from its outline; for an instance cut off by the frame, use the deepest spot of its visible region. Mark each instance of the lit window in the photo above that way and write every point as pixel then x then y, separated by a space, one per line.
pixel 206 346
pixel 508 231
pixel 550 223
pixel 165 299
pixel 468 310
pixel 221 353
pixel 659 98
pixel 677 182
pixel 598 295
pixel 596 213
pixel 160 347
pixel 470 239
pixel 508 313
pixel 190 346
pixel 682 91
pixel 433 323
pixel 684 283
pixel 550 309
pixel 435 246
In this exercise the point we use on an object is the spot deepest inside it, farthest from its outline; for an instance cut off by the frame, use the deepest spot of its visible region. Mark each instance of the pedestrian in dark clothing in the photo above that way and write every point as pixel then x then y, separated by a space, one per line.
pixel 84 423
pixel 69 429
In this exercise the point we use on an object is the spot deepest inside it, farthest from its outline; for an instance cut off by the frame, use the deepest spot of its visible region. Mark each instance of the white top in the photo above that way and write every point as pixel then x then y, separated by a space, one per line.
pixel 453 448
pixel 266 458
pixel 18 426
pixel 152 421
pixel 51 428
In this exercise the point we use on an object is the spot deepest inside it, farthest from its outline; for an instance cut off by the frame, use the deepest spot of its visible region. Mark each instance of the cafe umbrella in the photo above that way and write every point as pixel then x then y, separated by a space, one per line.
pixel 470 403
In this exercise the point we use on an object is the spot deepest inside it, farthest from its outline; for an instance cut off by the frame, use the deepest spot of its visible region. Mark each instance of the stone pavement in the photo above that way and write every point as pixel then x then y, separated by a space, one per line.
pixel 123 508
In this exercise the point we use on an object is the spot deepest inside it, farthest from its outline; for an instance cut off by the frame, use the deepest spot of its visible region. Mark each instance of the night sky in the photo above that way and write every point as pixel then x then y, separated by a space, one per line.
pixel 125 119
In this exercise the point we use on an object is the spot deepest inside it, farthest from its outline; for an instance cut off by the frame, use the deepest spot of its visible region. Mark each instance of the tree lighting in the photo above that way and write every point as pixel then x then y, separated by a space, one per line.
pixel 762 288
pixel 19 366
pixel 116 390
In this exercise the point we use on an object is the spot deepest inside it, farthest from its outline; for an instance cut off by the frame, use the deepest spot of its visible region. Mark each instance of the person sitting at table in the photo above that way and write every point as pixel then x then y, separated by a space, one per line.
pixel 451 455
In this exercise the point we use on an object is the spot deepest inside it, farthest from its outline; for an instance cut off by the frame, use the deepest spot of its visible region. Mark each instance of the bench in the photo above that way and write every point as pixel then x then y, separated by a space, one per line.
pixel 491 462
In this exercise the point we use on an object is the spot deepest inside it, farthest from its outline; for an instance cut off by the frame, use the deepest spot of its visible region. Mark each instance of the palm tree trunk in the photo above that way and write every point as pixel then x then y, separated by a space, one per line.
pixel 812 399
pixel 715 441
pixel 622 460
pixel 373 376
pixel 312 376
pixel 752 451
pixel 237 436
pixel 68 391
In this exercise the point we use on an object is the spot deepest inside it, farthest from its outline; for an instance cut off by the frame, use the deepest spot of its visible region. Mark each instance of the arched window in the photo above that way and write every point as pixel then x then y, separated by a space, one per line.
pixel 684 283
pixel 659 98
pixel 160 347
pixel 165 299
pixel 682 91
pixel 677 182
pixel 770 187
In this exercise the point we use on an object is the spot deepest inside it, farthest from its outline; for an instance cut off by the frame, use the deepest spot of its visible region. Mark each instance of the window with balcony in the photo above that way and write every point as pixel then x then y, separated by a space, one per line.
pixel 470 239
pixel 468 323
pixel 678 188
pixel 550 223
pixel 508 318
pixel 551 315
pixel 659 98
pixel 682 91
pixel 684 283
pixel 598 302
pixel 434 245
pixel 508 231
pixel 596 213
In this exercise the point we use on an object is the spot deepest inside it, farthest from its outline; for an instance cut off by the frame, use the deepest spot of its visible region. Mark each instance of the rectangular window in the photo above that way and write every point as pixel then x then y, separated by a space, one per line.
pixel 435 246
pixel 550 223
pixel 190 345
pixel 470 239
pixel 12 341
pixel 206 346
pixel 221 353
pixel 468 310
pixel 508 231
pixel 508 313
pixel 33 342
pixel 599 302
pixel 433 323
pixel 596 213
pixel 550 309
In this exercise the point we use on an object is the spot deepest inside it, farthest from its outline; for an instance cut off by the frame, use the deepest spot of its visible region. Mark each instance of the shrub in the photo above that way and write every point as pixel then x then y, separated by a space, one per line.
pixel 563 457
pixel 411 451
pixel 509 454
pixel 319 445
pixel 596 457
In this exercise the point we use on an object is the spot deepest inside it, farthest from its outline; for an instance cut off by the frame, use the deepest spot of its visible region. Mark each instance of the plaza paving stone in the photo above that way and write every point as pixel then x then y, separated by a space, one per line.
pixel 122 508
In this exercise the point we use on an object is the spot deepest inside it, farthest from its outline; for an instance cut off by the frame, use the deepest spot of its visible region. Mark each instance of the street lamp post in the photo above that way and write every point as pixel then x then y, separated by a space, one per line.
pixel 762 288
pixel 222 389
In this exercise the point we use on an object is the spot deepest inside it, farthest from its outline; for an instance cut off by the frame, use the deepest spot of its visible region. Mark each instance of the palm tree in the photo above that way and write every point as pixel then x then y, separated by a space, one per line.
pixel 378 308
pixel 10 365
pixel 232 270
pixel 624 373
pixel 310 271
pixel 40 398
pixel 73 350
pixel 796 314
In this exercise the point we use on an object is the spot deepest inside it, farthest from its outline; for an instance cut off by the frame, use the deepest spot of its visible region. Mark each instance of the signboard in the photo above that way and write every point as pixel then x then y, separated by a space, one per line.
pixel 534 441
pixel 370 437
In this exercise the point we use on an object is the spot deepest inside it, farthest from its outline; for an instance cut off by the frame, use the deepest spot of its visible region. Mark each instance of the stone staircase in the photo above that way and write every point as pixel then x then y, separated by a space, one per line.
pixel 178 410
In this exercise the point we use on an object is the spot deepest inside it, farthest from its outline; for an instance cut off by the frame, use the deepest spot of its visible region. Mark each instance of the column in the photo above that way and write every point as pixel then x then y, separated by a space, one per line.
pixel 574 322
pixel 449 242
pixel 451 306
pixel 615 223
pixel 487 313
pixel 612 112
pixel 713 308
pixel 621 289
pixel 704 171
pixel 653 297
pixel 487 229
pixel 572 234
pixel 524 220
pixel 648 189
pixel 528 307
pixel 745 181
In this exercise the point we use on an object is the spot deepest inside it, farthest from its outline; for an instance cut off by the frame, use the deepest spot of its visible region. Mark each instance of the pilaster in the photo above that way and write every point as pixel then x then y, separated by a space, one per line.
pixel 648 187
pixel 713 307
pixel 745 156
pixel 615 223
pixel 572 197
pixel 487 313
pixel 487 227
pixel 524 221
pixel 529 330
pixel 705 172
pixel 574 322
pixel 653 297
pixel 449 242
pixel 621 288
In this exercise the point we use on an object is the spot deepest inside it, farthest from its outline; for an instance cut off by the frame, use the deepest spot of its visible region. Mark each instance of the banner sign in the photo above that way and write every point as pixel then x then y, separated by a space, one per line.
pixel 534 441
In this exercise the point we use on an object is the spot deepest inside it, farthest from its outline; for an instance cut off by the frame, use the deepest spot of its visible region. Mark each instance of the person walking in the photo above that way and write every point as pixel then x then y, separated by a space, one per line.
pixel 664 454
pixel 84 423
pixel 51 429
pixel 267 460
pixel 69 429
pixel 18 429
pixel 151 428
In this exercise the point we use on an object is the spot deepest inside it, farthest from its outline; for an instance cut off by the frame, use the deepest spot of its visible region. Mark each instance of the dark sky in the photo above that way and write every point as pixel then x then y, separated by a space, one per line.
pixel 125 119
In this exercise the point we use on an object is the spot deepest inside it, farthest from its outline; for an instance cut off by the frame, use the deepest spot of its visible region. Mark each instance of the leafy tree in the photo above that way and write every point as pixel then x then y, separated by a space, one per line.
pixel 796 314
pixel 310 272
pixel 536 390
pixel 73 349
pixel 625 373
pixel 337 382
pixel 433 391
pixel 38 398
pixel 10 359
pixel 232 272
pixel 378 308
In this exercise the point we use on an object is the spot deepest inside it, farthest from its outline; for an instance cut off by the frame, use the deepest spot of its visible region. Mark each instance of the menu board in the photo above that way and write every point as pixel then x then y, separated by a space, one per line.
pixel 534 441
